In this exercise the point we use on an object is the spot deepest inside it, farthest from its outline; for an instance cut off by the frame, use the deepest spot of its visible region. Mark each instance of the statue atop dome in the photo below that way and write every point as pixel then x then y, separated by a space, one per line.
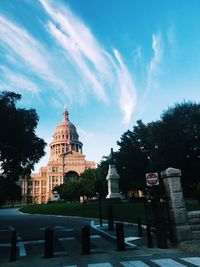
pixel 65 115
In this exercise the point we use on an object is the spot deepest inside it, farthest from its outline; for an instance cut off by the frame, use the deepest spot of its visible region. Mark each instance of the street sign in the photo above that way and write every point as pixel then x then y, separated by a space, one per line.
pixel 152 179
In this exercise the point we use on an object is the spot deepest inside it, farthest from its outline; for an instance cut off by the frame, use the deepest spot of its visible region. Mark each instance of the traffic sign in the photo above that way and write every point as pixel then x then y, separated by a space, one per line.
pixel 152 179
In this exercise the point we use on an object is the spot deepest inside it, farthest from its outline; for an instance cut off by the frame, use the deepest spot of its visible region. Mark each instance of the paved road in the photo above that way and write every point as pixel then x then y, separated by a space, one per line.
pixel 67 237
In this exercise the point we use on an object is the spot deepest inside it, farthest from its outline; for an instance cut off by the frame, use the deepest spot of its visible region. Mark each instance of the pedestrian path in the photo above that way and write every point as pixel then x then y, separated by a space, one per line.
pixel 166 262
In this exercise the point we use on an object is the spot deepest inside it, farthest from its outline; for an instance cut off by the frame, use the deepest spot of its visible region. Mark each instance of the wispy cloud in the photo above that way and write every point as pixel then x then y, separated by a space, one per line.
pixel 75 66
pixel 15 81
pixel 95 64
pixel 80 47
pixel 153 66
pixel 85 134
pixel 24 46
pixel 127 89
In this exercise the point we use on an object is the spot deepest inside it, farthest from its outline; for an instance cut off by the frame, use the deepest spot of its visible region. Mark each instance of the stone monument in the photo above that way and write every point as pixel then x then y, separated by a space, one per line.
pixel 113 179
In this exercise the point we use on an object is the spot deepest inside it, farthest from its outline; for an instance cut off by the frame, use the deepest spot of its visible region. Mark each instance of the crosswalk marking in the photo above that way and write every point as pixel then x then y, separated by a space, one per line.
pixel 193 260
pixel 168 263
pixel 105 264
pixel 134 264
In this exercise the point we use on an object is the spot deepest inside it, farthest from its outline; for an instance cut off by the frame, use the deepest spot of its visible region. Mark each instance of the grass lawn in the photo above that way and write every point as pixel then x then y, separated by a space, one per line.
pixel 128 212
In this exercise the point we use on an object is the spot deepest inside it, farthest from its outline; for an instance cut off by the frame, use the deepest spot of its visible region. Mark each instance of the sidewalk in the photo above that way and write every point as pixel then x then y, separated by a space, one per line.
pixel 132 240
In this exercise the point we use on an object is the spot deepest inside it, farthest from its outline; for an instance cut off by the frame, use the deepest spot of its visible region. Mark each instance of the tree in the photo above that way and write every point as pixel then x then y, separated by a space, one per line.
pixel 133 156
pixel 179 141
pixel 9 191
pixel 172 141
pixel 69 191
pixel 20 148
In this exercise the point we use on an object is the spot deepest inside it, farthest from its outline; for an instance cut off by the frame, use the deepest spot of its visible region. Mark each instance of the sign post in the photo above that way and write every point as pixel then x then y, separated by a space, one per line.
pixel 152 179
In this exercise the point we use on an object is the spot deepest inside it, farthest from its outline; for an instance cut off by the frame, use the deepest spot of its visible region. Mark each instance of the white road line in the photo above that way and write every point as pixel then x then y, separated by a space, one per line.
pixel 6 245
pixel 105 264
pixel 61 228
pixel 22 251
pixel 131 238
pixel 134 264
pixel 193 260
pixel 69 265
pixel 11 228
pixel 168 263
pixel 95 236
pixel 96 227
pixel 67 238
pixel 32 242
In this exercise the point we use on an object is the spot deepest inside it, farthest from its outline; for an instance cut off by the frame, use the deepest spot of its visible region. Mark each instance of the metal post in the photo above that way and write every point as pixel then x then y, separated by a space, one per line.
pixel 149 237
pixel 161 236
pixel 161 225
pixel 120 236
pixel 110 218
pixel 48 243
pixel 85 238
pixel 100 211
pixel 139 227
pixel 13 251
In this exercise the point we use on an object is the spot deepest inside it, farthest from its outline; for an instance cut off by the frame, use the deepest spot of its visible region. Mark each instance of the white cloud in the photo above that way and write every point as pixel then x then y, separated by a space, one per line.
pixel 24 49
pixel 15 81
pixel 75 64
pixel 153 66
pixel 24 46
pixel 85 134
pixel 80 46
pixel 127 89
pixel 94 63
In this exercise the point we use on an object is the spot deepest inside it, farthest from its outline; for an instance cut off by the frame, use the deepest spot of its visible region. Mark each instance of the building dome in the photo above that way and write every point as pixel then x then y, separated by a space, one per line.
pixel 65 138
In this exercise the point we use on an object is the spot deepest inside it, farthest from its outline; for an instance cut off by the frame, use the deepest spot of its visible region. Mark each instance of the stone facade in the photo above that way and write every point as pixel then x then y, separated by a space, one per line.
pixel 66 162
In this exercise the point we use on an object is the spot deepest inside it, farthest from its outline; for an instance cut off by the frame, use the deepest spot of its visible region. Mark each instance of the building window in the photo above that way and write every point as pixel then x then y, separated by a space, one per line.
pixel 37 183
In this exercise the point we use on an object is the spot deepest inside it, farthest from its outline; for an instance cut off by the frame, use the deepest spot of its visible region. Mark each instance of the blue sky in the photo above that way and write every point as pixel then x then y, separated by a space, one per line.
pixel 110 62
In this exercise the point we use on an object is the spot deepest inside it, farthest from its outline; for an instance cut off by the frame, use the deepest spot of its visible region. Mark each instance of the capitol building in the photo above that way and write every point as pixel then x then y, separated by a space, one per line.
pixel 66 162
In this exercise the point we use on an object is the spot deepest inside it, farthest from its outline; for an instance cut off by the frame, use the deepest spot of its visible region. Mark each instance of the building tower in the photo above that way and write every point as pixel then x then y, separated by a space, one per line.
pixel 66 162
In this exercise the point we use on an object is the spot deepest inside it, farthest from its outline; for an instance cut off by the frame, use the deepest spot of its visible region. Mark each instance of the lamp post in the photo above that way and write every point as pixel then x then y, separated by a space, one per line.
pixel 99 190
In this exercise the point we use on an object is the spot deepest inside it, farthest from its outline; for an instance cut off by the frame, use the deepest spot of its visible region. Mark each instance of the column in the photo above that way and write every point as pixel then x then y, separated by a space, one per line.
pixel 180 228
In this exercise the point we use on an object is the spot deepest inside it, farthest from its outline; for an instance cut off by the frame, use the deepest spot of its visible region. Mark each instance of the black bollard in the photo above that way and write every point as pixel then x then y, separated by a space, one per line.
pixel 120 236
pixel 85 238
pixel 13 251
pixel 139 227
pixel 48 243
pixel 149 237
pixel 110 218
pixel 161 237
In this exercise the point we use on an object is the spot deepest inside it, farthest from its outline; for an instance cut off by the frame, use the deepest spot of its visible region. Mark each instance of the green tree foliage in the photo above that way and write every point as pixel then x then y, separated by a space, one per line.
pixel 70 190
pixel 179 141
pixel 87 182
pixel 20 148
pixel 9 191
pixel 173 141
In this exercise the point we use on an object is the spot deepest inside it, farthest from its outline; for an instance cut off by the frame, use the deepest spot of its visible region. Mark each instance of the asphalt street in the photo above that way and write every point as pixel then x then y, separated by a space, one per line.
pixel 67 244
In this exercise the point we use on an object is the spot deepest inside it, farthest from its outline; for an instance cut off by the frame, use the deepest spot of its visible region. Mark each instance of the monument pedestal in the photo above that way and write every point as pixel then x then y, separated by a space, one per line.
pixel 113 183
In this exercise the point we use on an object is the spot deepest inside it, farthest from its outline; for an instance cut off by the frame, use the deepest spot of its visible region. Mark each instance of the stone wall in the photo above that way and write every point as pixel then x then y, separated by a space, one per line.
pixel 179 223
